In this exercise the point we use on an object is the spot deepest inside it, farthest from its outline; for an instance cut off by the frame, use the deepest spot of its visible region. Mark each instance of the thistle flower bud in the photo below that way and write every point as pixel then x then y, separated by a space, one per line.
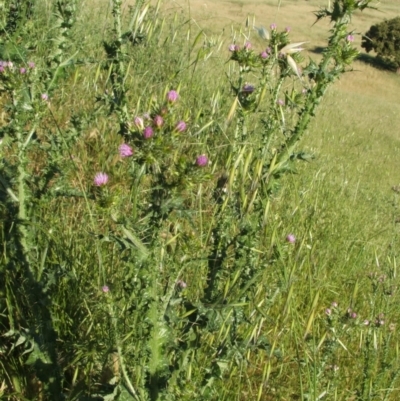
pixel 202 160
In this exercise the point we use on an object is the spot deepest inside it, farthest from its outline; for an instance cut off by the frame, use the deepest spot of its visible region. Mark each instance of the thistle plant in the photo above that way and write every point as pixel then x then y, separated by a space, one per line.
pixel 60 57
pixel 118 59
pixel 25 87
pixel 168 263
pixel 275 99
pixel 287 93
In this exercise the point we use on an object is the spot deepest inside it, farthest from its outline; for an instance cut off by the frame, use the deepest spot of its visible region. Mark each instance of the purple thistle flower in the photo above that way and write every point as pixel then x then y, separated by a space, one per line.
pixel 287 29
pixel 105 288
pixel 350 38
pixel 125 150
pixel 291 238
pixel 280 102
pixel 148 133
pixel 22 70
pixel 139 122
pixel 247 46
pixel 181 126
pixel 264 55
pixel 172 96
pixel 328 312
pixel 31 64
pixel 45 97
pixel 272 27
pixel 202 160
pixel 247 88
pixel 158 121
pixel 366 322
pixel 232 48
pixel 100 179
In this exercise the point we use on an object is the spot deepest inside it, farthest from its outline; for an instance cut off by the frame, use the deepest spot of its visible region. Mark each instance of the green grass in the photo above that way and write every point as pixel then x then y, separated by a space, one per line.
pixel 254 319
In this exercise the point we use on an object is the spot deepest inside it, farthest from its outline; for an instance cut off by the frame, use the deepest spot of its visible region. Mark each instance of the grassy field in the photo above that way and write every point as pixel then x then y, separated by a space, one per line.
pixel 190 263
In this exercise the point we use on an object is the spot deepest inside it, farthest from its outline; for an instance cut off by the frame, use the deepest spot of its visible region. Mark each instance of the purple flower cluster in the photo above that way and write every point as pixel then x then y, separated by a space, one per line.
pixel 247 46
pixel 147 125
pixel 4 65
pixel 234 48
pixel 351 314
pixel 158 121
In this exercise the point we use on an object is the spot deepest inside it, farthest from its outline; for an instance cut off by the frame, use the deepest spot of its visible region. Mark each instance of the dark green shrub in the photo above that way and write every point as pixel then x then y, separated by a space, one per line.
pixel 384 39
